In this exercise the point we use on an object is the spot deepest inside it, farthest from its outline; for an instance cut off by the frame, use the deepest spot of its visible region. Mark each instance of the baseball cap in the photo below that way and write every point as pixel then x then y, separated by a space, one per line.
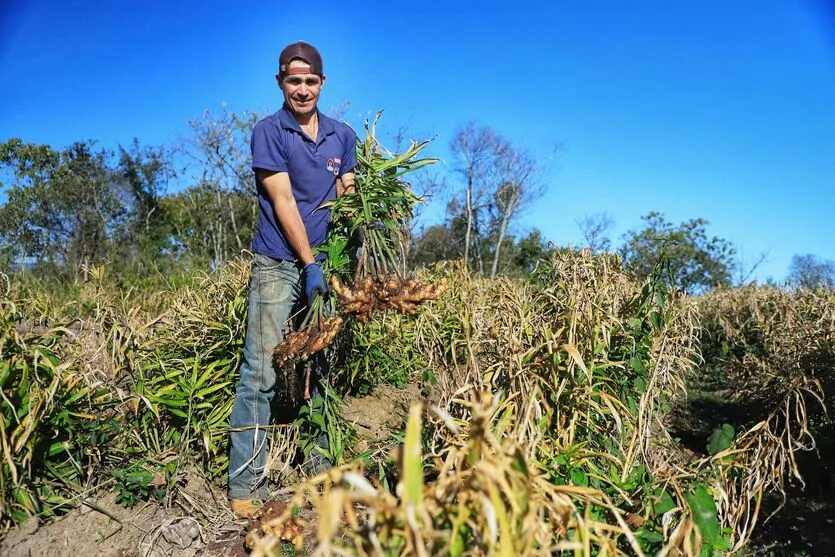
pixel 302 51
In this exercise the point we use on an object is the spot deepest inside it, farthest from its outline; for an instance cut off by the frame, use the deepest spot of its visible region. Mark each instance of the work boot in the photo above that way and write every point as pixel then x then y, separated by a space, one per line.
pixel 317 462
pixel 246 508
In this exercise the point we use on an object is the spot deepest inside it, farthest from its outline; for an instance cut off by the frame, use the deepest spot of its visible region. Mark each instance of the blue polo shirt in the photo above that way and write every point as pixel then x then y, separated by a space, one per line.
pixel 278 144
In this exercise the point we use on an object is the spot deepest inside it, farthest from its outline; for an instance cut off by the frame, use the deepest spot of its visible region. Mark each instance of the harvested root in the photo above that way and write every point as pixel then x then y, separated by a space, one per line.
pixel 288 385
pixel 286 531
pixel 384 292
pixel 300 345
pixel 367 295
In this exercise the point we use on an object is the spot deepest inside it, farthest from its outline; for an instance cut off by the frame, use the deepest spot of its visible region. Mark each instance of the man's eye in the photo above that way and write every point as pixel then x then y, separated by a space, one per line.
pixel 294 81
pixel 311 82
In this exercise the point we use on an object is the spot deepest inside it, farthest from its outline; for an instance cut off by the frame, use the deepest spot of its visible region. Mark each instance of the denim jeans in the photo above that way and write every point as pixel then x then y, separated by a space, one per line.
pixel 275 289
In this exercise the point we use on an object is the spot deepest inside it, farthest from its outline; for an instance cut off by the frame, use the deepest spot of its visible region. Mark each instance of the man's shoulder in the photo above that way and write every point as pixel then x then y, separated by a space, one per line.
pixel 267 122
pixel 269 129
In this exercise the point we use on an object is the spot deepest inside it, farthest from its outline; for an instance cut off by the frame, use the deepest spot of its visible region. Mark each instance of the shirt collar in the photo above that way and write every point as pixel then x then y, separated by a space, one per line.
pixel 288 121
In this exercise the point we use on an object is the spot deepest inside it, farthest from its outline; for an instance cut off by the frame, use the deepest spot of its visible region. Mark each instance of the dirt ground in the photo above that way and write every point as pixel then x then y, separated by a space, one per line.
pixel 197 521
pixel 375 416
pixel 103 528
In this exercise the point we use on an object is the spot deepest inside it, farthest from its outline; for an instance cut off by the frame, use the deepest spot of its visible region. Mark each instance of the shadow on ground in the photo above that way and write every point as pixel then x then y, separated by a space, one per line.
pixel 805 524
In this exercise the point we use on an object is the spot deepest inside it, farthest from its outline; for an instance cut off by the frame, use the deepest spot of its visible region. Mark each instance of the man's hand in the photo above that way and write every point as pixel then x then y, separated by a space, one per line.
pixel 345 184
pixel 314 282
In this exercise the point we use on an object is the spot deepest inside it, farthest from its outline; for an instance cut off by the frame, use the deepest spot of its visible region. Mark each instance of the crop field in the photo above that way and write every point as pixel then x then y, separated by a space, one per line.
pixel 574 411
pixel 545 418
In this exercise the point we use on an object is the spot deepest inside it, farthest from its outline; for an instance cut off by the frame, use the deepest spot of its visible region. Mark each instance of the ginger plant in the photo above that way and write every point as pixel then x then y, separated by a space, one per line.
pixel 367 244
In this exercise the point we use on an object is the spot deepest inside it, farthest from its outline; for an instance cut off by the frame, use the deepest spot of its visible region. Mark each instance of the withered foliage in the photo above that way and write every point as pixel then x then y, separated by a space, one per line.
pixel 488 497
pixel 591 361
pixel 771 352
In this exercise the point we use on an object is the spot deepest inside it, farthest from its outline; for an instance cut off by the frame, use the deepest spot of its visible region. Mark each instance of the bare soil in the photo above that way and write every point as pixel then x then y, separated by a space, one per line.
pixel 386 409
pixel 84 531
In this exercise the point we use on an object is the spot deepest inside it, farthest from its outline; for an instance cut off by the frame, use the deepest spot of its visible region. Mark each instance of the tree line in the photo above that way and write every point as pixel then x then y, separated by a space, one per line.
pixel 66 210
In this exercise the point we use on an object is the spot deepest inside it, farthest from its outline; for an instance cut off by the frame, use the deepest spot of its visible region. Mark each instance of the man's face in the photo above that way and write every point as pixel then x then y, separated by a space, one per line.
pixel 301 89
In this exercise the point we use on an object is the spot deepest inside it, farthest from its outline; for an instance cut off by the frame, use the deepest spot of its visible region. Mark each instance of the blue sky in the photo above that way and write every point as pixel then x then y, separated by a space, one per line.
pixel 718 110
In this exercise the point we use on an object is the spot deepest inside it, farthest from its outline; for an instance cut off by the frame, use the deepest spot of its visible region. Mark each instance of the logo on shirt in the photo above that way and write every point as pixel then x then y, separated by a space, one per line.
pixel 333 166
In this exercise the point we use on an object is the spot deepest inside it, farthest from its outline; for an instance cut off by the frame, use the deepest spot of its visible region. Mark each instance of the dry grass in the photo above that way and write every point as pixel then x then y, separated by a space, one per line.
pixel 485 497
pixel 773 351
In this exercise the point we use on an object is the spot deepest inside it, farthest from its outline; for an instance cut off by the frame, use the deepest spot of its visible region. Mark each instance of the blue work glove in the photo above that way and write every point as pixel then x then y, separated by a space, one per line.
pixel 314 282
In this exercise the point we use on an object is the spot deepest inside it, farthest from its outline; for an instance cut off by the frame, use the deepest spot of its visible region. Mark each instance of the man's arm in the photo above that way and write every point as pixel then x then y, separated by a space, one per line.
pixel 280 192
pixel 345 184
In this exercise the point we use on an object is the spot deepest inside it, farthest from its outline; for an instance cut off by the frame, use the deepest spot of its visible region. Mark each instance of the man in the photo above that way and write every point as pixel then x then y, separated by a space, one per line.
pixel 301 159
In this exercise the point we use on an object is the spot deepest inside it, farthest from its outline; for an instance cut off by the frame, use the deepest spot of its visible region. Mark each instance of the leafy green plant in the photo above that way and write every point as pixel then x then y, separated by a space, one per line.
pixel 49 438
pixel 319 418
pixel 720 439
pixel 382 351
pixel 372 223
pixel 705 515
pixel 135 484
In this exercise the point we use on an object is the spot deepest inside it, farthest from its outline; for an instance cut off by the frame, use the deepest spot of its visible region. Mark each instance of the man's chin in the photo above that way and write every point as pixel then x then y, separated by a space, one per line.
pixel 303 110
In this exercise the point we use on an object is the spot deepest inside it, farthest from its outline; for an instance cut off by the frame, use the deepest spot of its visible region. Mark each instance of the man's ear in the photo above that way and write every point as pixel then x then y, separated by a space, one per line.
pixel 278 81
pixel 323 79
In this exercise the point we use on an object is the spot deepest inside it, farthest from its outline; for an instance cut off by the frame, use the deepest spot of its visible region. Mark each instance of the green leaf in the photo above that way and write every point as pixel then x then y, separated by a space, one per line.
pixel 637 364
pixel 660 299
pixel 703 508
pixel 412 459
pixel 720 439
pixel 655 319
pixel 457 544
pixel 209 390
pixel 663 503
pixel 579 478
pixel 649 536
pixel 318 419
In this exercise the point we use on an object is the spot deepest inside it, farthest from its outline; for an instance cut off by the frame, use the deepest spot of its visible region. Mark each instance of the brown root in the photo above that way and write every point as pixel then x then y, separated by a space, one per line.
pixel 369 294
pixel 301 345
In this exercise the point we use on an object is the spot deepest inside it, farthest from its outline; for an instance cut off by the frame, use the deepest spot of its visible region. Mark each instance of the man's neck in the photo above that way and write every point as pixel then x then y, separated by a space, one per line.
pixel 306 119
pixel 309 123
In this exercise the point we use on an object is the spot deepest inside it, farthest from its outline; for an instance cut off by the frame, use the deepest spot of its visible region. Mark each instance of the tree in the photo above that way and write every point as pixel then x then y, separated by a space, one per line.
pixel 808 271
pixel 476 150
pixel 444 242
pixel 63 207
pixel 146 237
pixel 595 229
pixel 202 231
pixel 219 149
pixel 531 250
pixel 522 183
pixel 79 206
pixel 436 243
pixel 697 262
pixel 747 266
pixel 499 180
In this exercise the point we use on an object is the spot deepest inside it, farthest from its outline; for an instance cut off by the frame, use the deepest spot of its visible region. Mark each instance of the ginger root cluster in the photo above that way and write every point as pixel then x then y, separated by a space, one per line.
pixel 300 345
pixel 370 294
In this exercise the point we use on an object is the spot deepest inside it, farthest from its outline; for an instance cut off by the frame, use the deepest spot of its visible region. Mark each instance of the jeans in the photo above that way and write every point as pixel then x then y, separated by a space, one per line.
pixel 275 290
